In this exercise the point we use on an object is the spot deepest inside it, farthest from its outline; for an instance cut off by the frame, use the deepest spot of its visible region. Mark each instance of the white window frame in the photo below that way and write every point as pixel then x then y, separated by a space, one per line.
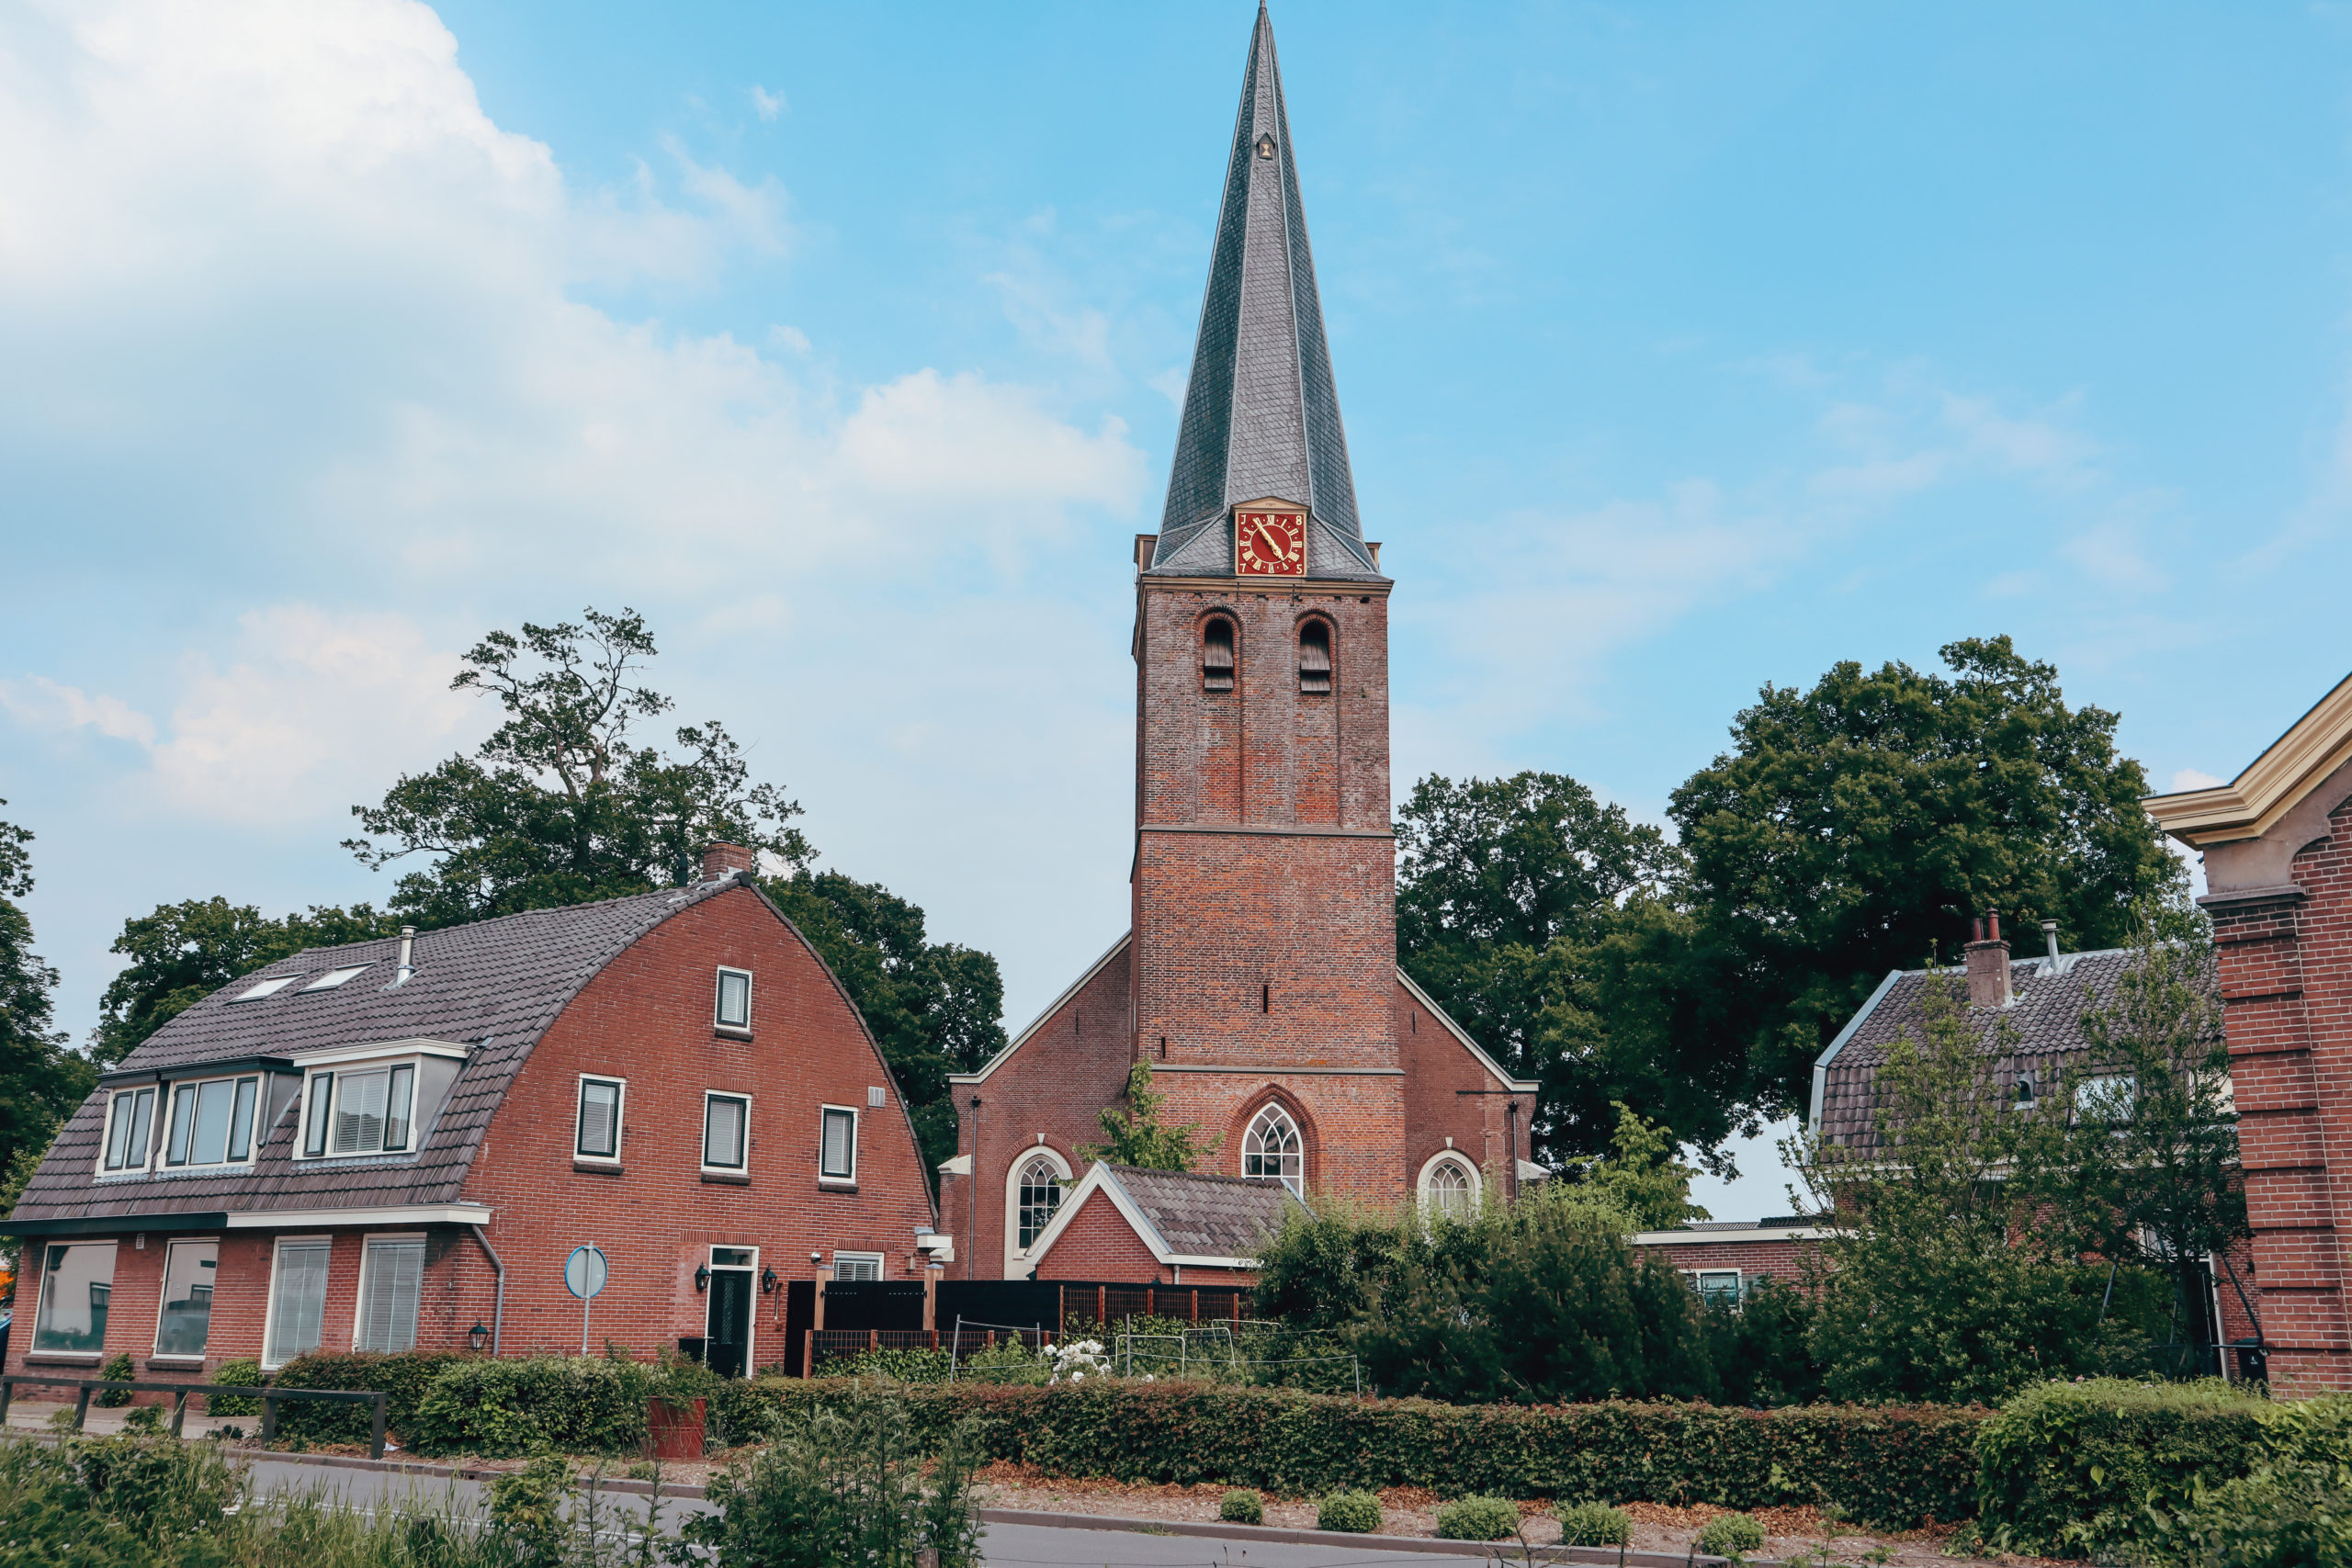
pixel 262 990
pixel 269 1301
pixel 824 1177
pixel 161 1135
pixel 718 992
pixel 48 1277
pixel 1699 1278
pixel 1250 1131
pixel 312 1072
pixel 1014 1253
pixel 879 1261
pixel 115 1098
pixel 703 1132
pixel 1421 1187
pixel 751 1317
pixel 329 981
pixel 359 1294
pixel 163 1292
pixel 620 1117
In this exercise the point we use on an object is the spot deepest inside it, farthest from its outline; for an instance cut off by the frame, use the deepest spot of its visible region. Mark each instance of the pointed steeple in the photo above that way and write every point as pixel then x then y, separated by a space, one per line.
pixel 1261 416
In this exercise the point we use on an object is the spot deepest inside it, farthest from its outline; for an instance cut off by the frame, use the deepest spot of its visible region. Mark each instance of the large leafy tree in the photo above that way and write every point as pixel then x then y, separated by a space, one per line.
pixel 1855 827
pixel 1543 921
pixel 40 1079
pixel 562 805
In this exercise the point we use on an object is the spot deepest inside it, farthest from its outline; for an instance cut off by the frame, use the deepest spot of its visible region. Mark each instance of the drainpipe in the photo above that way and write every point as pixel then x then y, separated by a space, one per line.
pixel 1511 1144
pixel 498 1312
pixel 972 1198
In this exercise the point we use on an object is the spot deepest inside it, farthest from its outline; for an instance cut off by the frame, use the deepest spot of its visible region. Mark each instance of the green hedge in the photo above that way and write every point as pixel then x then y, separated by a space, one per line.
pixel 402 1378
pixel 1896 1466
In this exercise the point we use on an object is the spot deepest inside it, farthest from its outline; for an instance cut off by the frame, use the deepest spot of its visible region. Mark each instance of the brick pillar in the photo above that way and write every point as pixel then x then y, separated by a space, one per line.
pixel 2291 1074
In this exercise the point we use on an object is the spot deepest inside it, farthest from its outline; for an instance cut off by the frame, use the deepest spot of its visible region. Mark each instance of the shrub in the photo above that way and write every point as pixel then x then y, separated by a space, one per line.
pixel 576 1405
pixel 2068 1469
pixel 1242 1506
pixel 117 1369
pixel 1357 1513
pixel 403 1378
pixel 1761 1349
pixel 897 1366
pixel 1478 1518
pixel 1594 1524
pixel 1731 1534
pixel 2291 1511
pixel 237 1374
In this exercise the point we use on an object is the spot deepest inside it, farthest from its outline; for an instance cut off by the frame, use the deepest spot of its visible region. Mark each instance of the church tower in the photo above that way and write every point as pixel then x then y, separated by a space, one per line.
pixel 1264 936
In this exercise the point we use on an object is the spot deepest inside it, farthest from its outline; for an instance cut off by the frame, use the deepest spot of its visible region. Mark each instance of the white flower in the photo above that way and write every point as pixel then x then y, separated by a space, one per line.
pixel 1078 1377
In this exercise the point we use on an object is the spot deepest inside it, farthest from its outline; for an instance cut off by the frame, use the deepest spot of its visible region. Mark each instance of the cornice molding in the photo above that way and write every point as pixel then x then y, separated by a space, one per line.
pixel 2316 745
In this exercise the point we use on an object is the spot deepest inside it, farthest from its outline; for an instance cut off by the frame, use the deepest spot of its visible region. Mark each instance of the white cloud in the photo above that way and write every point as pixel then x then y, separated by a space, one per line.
pixel 39 704
pixel 765 103
pixel 2187 779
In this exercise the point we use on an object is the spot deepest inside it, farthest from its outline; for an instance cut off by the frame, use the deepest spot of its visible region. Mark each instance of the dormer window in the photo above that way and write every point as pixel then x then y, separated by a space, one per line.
pixel 130 1127
pixel 1217 655
pixel 1315 656
pixel 369 1101
pixel 211 1122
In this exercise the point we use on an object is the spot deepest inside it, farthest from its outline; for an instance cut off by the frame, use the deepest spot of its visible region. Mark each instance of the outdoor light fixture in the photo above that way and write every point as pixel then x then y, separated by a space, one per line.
pixel 818 1259
pixel 767 1281
pixel 477 1336
pixel 702 1276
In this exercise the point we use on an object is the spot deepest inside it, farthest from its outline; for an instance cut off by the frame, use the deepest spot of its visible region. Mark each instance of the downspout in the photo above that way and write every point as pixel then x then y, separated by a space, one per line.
pixel 498 1312
pixel 972 1200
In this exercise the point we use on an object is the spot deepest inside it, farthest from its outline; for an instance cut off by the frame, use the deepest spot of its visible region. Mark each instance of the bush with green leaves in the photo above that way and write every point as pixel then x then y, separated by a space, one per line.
pixel 403 1378
pixel 1731 1534
pixel 117 1369
pixel 1477 1519
pixel 2293 1510
pixel 1242 1506
pixel 581 1404
pixel 1593 1524
pixel 246 1373
pixel 1761 1348
pixel 1357 1513
pixel 2070 1468
pixel 891 1365
pixel 845 1482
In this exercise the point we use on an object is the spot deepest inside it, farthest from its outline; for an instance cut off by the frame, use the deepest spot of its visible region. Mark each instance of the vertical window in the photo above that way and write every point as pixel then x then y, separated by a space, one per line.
pixel 359 1111
pixel 1450 1189
pixel 837 1152
pixel 599 1135
pixel 857 1265
pixel 211 1122
pixel 724 1117
pixel 391 1276
pixel 240 1123
pixel 1271 1150
pixel 734 998
pixel 76 1283
pixel 1041 1194
pixel 128 1132
pixel 403 1098
pixel 1717 1285
pixel 1315 656
pixel 1217 655
pixel 315 1140
pixel 297 1301
pixel 187 1319
pixel 182 1123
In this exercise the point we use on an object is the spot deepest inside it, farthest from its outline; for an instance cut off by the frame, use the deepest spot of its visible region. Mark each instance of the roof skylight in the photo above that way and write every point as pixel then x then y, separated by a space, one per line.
pixel 334 977
pixel 266 988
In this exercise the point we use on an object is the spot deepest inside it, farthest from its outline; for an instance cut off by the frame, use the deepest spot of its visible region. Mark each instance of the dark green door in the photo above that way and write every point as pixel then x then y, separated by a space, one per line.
pixel 731 1321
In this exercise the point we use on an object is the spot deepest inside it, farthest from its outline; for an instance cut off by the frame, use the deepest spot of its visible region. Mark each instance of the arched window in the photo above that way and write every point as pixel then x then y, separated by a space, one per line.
pixel 1041 1194
pixel 1448 1186
pixel 1217 655
pixel 1271 1150
pixel 1315 656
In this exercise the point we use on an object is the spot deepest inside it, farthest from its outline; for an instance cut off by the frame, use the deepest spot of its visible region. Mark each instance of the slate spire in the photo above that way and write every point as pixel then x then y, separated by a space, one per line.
pixel 1261 417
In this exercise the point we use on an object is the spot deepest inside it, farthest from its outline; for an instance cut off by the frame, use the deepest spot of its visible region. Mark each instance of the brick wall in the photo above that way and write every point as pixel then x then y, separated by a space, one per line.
pixel 1099 1243
pixel 1783 1260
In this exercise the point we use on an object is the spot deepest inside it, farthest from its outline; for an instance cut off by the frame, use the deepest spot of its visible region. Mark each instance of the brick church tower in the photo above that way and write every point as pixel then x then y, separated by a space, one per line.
pixel 1259 977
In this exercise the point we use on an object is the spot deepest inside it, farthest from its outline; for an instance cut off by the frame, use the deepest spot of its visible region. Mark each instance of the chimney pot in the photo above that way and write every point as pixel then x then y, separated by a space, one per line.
pixel 408 949
pixel 726 860
pixel 2049 941
pixel 1988 964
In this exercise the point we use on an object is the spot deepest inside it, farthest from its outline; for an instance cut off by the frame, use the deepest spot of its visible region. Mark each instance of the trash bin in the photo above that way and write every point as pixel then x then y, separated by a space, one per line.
pixel 2254 1361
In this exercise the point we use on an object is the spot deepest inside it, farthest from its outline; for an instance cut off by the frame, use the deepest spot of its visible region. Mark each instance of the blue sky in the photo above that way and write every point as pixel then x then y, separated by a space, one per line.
pixel 1683 348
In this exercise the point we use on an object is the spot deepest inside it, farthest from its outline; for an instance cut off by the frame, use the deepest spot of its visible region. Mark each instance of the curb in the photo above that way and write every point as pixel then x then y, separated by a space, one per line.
pixel 1486 1550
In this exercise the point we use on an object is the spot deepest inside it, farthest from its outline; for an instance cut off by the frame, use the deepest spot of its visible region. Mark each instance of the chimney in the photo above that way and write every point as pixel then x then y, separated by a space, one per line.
pixel 408 951
pixel 1988 963
pixel 2049 941
pixel 726 860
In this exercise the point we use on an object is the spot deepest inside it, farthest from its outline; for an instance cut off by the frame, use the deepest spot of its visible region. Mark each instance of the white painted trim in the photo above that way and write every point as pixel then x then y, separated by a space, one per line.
pixel 1494 1068
pixel 1478 1176
pixel 1729 1238
pixel 402 1215
pixel 359 1294
pixel 168 1089
pixel 850 1179
pixel 159 1091
pixel 1015 1256
pixel 620 1117
pixel 1098 1179
pixel 419 1046
pixel 412 1060
pixel 269 1299
pixel 164 1289
pixel 751 1313
pixel 1039 1022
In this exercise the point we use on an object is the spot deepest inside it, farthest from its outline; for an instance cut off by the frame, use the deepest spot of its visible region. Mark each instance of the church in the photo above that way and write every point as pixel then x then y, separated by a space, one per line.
pixel 1259 978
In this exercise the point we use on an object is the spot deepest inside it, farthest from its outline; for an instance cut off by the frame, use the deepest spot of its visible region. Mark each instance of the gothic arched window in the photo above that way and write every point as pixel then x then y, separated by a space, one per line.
pixel 1449 1186
pixel 1217 655
pixel 1315 656
pixel 1273 1151
pixel 1041 1194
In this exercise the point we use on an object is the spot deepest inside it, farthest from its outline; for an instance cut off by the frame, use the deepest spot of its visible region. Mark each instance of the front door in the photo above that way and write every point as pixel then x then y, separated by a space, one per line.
pixel 726 1348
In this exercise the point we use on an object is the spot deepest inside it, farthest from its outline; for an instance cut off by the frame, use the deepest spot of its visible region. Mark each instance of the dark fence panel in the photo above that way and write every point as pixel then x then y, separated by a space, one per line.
pixel 873 1303
pixel 1016 1304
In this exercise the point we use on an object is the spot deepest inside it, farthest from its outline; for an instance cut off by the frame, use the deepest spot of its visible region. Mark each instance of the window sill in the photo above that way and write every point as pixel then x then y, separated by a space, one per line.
pixel 727 1178
pixel 597 1167
pixel 174 1363
pixel 728 1032
pixel 836 1184
pixel 64 1358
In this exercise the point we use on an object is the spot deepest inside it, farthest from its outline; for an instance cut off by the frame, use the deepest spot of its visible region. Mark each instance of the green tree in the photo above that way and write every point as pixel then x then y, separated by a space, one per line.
pixel 1950 1273
pixel 561 805
pixel 41 1081
pixel 1642 1176
pixel 183 953
pixel 1545 924
pixel 934 1008
pixel 1854 827
pixel 1132 1133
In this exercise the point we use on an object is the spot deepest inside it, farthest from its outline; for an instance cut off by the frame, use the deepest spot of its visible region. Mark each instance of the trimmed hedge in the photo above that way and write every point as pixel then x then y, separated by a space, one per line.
pixel 1477 1519
pixel 403 1378
pixel 1893 1466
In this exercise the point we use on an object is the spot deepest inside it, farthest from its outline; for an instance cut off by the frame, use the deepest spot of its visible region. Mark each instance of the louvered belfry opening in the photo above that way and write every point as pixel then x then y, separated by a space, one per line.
pixel 1315 656
pixel 1217 655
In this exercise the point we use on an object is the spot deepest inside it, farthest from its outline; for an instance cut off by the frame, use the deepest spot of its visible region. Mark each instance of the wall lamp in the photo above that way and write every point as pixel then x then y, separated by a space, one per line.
pixel 702 1276
pixel 477 1336
pixel 767 1281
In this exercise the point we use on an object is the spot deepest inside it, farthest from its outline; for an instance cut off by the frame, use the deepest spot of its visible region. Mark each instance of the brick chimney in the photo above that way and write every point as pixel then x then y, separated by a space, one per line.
pixel 1988 963
pixel 726 860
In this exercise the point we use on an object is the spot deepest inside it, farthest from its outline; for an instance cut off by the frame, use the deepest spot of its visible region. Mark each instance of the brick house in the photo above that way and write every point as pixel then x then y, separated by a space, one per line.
pixel 382 1145
pixel 2277 842
pixel 1259 977
pixel 1725 1258
pixel 1160 1227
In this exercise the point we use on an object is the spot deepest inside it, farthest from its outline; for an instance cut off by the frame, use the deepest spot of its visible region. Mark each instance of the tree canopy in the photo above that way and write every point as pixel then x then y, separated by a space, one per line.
pixel 40 1080
pixel 1133 1133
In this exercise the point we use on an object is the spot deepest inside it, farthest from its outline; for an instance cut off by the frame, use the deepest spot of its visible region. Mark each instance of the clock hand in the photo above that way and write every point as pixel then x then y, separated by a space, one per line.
pixel 1272 543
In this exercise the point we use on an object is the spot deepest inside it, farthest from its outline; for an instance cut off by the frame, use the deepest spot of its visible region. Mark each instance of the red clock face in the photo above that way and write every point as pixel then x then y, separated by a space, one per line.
pixel 1270 544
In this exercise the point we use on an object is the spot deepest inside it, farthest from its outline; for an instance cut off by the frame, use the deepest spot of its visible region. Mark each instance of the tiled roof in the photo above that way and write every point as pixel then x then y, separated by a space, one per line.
pixel 1262 412
pixel 1206 1216
pixel 494 986
pixel 2043 1022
